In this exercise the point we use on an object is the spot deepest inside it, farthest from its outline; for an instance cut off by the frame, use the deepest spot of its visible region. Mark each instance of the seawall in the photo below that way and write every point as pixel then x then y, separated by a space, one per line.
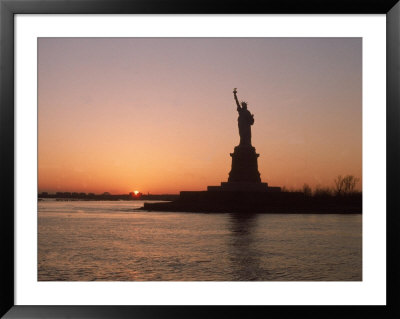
pixel 259 202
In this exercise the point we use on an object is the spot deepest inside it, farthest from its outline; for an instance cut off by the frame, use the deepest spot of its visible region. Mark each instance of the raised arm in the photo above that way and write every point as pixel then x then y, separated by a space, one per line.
pixel 237 101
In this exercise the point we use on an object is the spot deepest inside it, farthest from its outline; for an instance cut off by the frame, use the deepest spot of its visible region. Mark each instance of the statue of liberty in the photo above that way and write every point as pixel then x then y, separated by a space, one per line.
pixel 245 121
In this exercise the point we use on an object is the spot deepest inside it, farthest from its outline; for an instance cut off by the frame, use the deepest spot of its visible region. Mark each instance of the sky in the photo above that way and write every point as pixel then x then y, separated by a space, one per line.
pixel 158 114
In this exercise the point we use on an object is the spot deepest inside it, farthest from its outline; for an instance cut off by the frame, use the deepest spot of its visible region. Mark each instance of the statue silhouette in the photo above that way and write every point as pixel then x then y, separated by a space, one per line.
pixel 245 120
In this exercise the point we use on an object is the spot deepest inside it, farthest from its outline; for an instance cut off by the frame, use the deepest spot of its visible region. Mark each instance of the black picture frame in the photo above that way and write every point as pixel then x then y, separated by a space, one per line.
pixel 8 8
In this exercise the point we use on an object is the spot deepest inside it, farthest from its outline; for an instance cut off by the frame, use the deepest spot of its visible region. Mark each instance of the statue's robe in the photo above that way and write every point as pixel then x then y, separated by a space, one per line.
pixel 245 120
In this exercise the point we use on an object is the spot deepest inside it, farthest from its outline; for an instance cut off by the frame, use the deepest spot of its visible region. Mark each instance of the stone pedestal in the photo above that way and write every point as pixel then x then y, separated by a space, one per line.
pixel 244 175
pixel 244 165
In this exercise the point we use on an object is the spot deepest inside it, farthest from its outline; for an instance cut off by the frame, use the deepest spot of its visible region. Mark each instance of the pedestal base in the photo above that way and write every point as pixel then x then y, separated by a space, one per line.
pixel 239 187
pixel 244 165
pixel 244 175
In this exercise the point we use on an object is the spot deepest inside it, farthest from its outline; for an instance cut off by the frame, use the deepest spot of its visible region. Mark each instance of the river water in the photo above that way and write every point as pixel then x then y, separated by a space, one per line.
pixel 110 241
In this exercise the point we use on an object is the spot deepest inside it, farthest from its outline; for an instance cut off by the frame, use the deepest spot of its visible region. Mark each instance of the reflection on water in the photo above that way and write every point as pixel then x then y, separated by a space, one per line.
pixel 245 261
pixel 110 241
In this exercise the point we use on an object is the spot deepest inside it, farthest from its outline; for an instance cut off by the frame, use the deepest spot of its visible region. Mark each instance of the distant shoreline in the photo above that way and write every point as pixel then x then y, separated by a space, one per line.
pixel 106 197
pixel 199 202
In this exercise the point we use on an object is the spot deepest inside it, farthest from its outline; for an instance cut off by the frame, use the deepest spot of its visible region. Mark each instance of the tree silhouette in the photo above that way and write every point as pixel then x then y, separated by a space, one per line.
pixel 307 190
pixel 345 185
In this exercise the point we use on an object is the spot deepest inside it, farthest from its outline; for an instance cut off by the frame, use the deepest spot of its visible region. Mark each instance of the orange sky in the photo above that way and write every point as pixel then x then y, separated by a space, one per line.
pixel 158 114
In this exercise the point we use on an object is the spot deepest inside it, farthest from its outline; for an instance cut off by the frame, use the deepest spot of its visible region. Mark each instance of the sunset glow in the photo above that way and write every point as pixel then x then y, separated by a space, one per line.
pixel 158 114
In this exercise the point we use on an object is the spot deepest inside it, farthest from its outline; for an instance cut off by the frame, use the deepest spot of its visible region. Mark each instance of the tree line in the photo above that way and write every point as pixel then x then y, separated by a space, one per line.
pixel 343 186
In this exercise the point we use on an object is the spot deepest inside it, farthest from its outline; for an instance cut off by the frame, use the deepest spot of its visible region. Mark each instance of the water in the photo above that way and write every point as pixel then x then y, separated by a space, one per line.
pixel 84 241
